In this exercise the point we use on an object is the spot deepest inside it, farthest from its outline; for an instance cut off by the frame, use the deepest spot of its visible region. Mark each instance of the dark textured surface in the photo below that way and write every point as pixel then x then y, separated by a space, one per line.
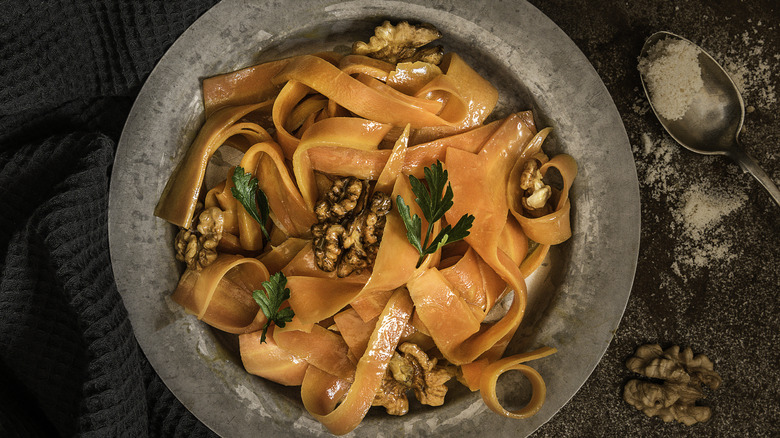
pixel 69 70
pixel 706 278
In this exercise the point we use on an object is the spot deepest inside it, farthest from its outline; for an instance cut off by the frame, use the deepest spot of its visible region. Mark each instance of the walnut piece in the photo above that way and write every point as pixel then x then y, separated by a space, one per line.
pixel 668 401
pixel 349 227
pixel 392 393
pixel 428 379
pixel 341 200
pixel 327 248
pixel 401 43
pixel 683 375
pixel 198 248
pixel 537 193
pixel 412 369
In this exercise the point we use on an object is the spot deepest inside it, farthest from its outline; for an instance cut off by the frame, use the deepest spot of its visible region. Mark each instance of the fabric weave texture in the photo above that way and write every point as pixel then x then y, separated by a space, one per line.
pixel 69 362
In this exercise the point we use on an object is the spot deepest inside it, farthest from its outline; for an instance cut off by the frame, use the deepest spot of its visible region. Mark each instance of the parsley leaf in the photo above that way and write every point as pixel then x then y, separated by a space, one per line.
pixel 452 234
pixel 413 224
pixel 251 197
pixel 429 199
pixel 433 205
pixel 271 300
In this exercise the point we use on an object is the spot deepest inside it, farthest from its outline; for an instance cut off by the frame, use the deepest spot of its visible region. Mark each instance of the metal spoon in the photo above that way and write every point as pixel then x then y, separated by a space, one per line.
pixel 712 123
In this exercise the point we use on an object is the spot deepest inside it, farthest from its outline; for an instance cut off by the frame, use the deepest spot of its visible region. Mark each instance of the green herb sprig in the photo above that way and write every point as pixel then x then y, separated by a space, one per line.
pixel 247 192
pixel 433 205
pixel 271 299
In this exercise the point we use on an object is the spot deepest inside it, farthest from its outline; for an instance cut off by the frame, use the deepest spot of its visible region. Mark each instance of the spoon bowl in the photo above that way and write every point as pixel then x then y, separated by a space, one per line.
pixel 712 122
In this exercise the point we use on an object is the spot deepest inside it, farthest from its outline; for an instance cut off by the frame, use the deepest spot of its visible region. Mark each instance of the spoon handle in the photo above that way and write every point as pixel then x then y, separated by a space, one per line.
pixel 748 164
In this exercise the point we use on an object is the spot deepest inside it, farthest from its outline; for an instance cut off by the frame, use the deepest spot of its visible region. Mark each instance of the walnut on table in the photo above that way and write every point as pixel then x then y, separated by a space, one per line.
pixel 411 368
pixel 682 373
pixel 350 227
pixel 197 247
pixel 401 43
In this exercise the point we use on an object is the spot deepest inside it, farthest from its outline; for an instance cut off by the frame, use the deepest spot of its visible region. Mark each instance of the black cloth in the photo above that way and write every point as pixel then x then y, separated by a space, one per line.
pixel 69 363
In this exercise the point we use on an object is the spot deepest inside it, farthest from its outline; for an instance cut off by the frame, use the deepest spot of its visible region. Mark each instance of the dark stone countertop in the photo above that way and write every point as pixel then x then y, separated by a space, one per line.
pixel 709 262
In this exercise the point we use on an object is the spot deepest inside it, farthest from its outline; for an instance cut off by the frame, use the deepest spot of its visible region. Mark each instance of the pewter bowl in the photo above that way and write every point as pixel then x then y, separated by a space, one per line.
pixel 576 300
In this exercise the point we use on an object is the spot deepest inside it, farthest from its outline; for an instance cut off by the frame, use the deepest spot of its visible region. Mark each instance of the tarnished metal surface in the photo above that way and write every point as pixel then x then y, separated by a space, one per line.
pixel 576 303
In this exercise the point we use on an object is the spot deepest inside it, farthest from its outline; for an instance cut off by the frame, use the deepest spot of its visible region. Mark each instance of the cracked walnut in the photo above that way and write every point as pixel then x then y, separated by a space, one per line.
pixel 401 43
pixel 412 369
pixel 350 226
pixel 682 373
pixel 537 193
pixel 198 247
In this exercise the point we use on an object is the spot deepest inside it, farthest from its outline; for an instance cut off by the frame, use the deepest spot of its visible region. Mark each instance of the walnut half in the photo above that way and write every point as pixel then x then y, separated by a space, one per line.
pixel 682 373
pixel 412 369
pixel 401 43
pixel 198 248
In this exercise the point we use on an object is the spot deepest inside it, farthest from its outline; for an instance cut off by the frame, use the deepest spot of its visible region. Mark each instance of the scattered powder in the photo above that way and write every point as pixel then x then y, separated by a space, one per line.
pixel 659 172
pixel 699 209
pixel 640 105
pixel 647 142
pixel 673 76
pixel 703 210
pixel 639 108
pixel 705 241
pixel 751 73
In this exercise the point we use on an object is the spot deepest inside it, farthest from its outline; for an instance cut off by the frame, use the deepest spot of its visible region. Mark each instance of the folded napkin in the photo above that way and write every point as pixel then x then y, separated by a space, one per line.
pixel 69 362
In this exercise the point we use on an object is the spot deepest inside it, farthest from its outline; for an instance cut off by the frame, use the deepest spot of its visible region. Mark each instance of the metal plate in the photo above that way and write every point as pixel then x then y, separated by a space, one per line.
pixel 576 303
